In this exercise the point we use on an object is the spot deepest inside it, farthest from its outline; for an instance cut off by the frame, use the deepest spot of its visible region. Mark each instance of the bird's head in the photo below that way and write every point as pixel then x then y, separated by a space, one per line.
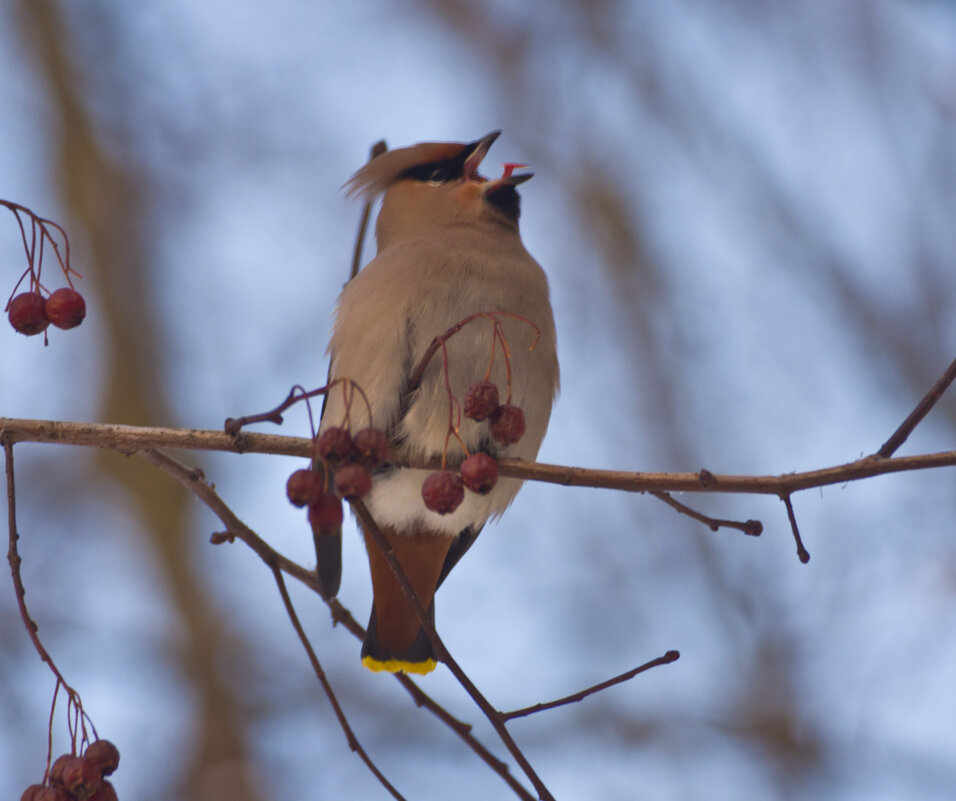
pixel 436 184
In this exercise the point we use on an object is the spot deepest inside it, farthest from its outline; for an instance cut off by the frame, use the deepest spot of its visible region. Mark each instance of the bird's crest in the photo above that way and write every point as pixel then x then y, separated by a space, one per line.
pixel 382 171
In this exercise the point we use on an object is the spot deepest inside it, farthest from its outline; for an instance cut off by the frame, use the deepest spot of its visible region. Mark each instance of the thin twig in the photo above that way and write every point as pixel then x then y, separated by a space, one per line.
pixel 353 741
pixel 922 409
pixel 13 557
pixel 130 439
pixel 371 529
pixel 377 150
pixel 752 528
pixel 193 480
pixel 802 552
pixel 666 659
pixel 74 702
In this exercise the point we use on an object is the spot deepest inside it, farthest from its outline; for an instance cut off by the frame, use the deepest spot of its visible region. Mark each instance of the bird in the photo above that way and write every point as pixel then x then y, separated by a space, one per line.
pixel 448 247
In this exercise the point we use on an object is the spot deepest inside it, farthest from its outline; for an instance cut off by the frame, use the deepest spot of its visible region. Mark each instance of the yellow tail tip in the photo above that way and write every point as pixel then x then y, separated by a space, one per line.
pixel 398 665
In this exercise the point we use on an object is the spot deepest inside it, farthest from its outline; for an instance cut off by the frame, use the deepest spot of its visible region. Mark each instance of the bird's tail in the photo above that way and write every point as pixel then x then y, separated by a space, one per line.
pixel 419 657
pixel 395 640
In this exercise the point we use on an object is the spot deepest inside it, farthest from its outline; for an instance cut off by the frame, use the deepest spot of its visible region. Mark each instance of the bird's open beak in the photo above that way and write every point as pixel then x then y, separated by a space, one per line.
pixel 478 150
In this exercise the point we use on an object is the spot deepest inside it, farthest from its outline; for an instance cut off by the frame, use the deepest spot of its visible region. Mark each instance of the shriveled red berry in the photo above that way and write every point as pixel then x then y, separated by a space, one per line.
pixel 372 447
pixel 507 424
pixel 303 487
pixel 479 473
pixel 104 755
pixel 27 313
pixel 79 777
pixel 32 793
pixel 353 481
pixel 480 401
pixel 59 765
pixel 47 794
pixel 443 492
pixel 335 446
pixel 106 792
pixel 65 308
pixel 325 514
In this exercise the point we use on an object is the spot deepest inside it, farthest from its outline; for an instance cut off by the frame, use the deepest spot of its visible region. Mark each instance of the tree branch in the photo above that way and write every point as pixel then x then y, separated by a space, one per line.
pixel 371 529
pixel 129 439
pixel 353 742
pixel 666 659
pixel 922 409
pixel 193 480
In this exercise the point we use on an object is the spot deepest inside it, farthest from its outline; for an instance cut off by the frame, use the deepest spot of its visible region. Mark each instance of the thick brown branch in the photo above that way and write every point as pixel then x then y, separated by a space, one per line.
pixel 134 438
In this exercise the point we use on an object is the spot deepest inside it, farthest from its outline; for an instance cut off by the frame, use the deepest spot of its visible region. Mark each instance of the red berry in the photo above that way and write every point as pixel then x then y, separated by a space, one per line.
pixel 59 765
pixel 27 314
pixel 78 777
pixel 372 446
pixel 325 514
pixel 507 424
pixel 105 793
pixel 479 473
pixel 104 755
pixel 32 793
pixel 65 308
pixel 335 446
pixel 302 488
pixel 46 794
pixel 353 481
pixel 481 400
pixel 443 492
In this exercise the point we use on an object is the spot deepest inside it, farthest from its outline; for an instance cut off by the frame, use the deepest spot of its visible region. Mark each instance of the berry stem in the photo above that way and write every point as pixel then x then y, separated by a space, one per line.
pixel 34 252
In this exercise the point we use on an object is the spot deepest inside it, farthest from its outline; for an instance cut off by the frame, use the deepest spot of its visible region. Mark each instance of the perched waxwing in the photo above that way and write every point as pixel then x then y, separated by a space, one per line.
pixel 448 247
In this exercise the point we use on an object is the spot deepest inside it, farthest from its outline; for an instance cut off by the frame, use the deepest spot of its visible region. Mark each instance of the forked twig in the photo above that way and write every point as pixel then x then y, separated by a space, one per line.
pixel 194 481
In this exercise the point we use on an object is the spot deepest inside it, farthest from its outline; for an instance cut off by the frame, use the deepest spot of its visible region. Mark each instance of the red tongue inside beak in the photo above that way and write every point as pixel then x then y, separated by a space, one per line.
pixel 508 178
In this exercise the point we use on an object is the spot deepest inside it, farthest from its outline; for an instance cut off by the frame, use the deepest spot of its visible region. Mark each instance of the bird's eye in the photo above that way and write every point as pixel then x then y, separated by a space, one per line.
pixel 439 175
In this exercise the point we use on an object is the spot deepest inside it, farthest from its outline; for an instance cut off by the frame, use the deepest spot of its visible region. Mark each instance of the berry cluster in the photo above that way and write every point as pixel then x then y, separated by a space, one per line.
pixel 31 312
pixel 350 459
pixel 443 491
pixel 74 778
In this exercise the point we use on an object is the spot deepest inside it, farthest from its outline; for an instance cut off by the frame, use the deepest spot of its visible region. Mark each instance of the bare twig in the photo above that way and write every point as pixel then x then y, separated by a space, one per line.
pixel 354 744
pixel 76 715
pixel 129 439
pixel 922 409
pixel 377 149
pixel 371 529
pixel 193 480
pixel 802 552
pixel 666 659
pixel 752 528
